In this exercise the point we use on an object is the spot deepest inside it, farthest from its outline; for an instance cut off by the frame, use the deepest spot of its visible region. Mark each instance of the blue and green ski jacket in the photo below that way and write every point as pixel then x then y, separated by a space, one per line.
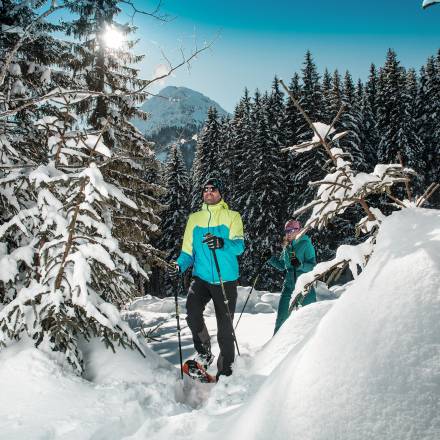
pixel 219 220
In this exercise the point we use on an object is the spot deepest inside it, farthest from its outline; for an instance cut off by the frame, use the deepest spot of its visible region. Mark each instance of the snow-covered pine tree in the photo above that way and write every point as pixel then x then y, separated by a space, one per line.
pixel 350 121
pixel 238 148
pixel 176 182
pixel 305 164
pixel 369 134
pixel 264 183
pixel 275 111
pixel 335 95
pixel 428 105
pixel 225 160
pixel 395 122
pixel 371 87
pixel 206 161
pixel 69 270
pixel 327 114
pixel 292 122
pixel 112 72
pixel 32 62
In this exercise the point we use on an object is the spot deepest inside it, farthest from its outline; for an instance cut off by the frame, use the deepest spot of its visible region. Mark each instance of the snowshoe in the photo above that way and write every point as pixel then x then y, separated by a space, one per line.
pixel 196 372
pixel 205 360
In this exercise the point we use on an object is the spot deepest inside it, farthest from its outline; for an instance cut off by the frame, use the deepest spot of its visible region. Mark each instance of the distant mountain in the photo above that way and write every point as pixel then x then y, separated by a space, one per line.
pixel 176 113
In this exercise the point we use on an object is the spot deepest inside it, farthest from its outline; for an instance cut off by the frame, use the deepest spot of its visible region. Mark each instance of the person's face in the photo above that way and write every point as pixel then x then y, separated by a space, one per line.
pixel 291 234
pixel 211 195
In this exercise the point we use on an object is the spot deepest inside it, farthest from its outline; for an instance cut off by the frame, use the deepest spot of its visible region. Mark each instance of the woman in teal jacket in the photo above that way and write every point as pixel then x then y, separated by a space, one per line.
pixel 297 257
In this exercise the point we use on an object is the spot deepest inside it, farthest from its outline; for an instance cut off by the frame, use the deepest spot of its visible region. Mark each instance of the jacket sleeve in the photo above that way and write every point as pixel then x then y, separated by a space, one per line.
pixel 309 258
pixel 235 242
pixel 280 262
pixel 186 258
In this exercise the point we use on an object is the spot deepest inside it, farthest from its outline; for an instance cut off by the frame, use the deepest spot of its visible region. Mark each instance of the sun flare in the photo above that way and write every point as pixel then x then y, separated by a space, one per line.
pixel 113 39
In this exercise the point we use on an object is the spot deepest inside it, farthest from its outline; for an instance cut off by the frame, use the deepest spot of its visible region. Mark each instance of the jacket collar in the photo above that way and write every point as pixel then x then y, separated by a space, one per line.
pixel 218 206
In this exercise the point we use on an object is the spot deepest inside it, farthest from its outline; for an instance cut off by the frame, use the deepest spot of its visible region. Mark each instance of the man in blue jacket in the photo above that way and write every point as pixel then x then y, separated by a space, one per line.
pixel 296 258
pixel 216 227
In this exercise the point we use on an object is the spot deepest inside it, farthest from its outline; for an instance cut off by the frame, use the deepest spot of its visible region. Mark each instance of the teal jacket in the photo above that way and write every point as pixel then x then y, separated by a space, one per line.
pixel 304 251
pixel 219 220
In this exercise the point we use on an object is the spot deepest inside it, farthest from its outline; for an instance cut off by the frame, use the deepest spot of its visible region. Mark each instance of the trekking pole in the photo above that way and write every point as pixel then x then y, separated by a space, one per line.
pixel 179 282
pixel 225 298
pixel 250 292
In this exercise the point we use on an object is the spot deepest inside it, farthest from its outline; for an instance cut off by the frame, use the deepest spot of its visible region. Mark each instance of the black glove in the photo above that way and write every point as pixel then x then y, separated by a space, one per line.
pixel 294 261
pixel 213 241
pixel 173 270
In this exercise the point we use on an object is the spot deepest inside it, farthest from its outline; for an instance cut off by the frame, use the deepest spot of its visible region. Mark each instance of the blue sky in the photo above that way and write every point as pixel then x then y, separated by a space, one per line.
pixel 255 40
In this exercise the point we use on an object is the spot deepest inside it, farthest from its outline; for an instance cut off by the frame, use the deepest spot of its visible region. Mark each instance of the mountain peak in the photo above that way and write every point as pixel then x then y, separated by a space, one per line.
pixel 176 107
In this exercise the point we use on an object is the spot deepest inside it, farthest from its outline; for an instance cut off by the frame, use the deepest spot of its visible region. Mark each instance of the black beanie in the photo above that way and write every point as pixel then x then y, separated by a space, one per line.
pixel 216 182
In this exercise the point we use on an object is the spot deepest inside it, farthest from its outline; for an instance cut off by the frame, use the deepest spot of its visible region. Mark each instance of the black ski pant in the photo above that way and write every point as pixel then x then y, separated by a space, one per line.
pixel 199 294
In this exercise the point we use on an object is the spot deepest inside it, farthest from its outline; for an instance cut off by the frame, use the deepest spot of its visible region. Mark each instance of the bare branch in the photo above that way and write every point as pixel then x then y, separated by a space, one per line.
pixel 60 93
pixel 427 194
pixel 408 189
pixel 309 121
pixel 154 14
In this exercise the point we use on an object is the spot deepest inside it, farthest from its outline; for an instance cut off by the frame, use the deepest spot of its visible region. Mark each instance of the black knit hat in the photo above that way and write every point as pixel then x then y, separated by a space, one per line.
pixel 215 182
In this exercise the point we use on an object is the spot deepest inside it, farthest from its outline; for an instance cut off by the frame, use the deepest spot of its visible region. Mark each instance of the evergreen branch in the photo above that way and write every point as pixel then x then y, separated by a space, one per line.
pixel 69 242
pixel 53 7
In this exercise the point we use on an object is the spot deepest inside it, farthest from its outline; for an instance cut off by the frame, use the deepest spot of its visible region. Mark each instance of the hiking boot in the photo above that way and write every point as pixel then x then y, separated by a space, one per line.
pixel 205 360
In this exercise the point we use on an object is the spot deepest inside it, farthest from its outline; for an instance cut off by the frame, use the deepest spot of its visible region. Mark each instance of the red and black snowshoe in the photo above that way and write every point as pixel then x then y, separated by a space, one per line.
pixel 196 372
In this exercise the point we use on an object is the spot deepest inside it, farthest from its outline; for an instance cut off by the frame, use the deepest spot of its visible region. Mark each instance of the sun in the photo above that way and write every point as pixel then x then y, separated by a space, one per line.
pixel 113 39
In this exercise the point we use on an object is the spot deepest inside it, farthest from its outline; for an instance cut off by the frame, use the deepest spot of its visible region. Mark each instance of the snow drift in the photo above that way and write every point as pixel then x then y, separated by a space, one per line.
pixel 372 367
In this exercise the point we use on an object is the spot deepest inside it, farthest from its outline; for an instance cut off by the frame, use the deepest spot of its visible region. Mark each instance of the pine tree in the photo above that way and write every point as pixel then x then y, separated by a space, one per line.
pixel 262 201
pixel 206 162
pixel 68 273
pixel 37 66
pixel 327 113
pixel 176 182
pixel 428 114
pixel 292 122
pixel 224 158
pixel 335 95
pixel 371 90
pixel 112 72
pixel 309 165
pixel 32 62
pixel 238 150
pixel 75 274
pixel 395 121
pixel 350 121
pixel 369 132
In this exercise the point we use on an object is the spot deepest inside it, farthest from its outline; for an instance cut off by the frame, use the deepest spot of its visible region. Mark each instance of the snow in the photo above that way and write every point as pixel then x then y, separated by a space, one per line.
pixel 181 107
pixel 361 366
pixel 18 88
pixel 371 368
pixel 14 69
pixel 427 3
pixel 45 77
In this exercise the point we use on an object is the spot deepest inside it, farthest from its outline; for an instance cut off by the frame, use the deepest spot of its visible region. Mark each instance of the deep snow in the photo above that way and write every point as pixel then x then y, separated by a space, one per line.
pixel 366 365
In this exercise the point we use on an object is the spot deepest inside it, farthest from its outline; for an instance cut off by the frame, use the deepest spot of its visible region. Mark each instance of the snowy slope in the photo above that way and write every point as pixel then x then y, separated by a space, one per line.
pixel 371 369
pixel 364 366
pixel 176 107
